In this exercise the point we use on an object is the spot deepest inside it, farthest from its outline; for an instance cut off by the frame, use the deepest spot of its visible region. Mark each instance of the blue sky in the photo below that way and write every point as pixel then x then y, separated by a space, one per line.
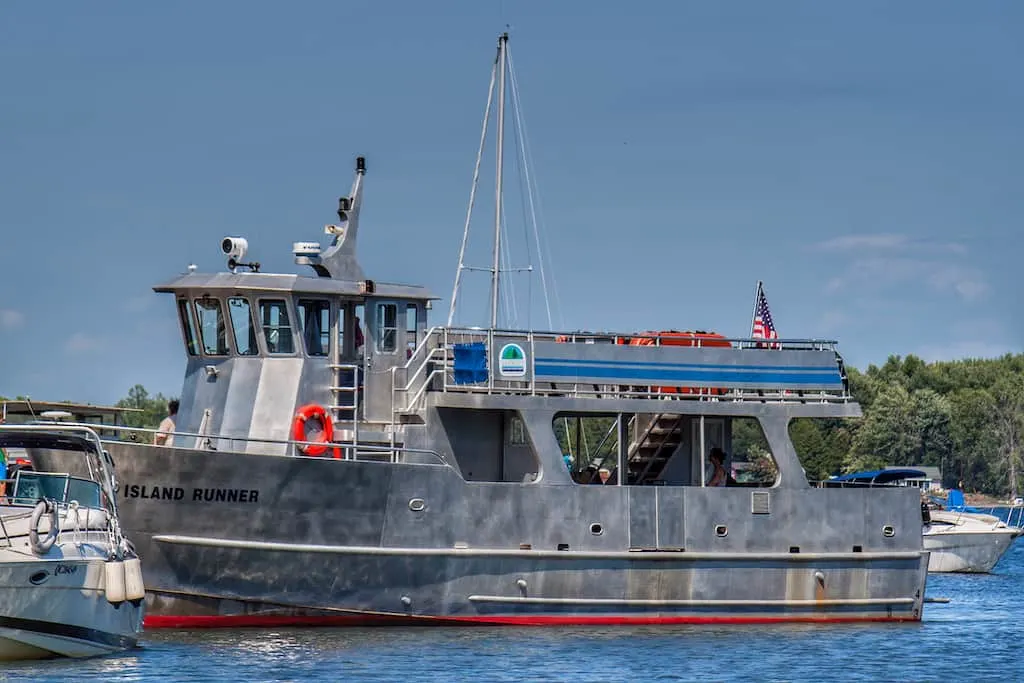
pixel 863 159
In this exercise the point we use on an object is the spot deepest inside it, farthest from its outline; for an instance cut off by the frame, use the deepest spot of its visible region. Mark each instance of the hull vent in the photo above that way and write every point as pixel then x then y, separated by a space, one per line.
pixel 760 502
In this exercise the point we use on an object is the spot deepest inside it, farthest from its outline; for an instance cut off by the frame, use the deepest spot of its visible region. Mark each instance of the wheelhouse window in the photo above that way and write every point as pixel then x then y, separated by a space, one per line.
pixel 387 328
pixel 410 329
pixel 277 329
pixel 241 323
pixel 211 327
pixel 188 327
pixel 315 322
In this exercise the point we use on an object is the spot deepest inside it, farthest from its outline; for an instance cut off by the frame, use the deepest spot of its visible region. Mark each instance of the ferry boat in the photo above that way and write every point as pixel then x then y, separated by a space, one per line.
pixel 338 461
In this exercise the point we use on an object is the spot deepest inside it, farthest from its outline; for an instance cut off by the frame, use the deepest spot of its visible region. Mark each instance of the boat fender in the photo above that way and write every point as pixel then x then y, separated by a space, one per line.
pixel 41 546
pixel 134 588
pixel 313 411
pixel 113 571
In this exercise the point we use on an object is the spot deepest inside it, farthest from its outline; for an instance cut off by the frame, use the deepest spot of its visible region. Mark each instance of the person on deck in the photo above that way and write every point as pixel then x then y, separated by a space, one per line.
pixel 165 435
pixel 719 477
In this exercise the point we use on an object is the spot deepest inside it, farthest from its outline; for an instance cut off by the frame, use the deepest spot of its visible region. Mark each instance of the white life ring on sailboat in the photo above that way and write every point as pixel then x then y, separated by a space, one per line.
pixel 42 546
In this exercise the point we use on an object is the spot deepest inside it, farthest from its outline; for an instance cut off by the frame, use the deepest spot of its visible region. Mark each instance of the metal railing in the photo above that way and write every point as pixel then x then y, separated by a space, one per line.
pixel 351 450
pixel 102 477
pixel 434 358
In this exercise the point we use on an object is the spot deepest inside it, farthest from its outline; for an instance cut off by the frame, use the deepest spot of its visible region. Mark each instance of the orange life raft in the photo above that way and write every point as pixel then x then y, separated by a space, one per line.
pixel 675 338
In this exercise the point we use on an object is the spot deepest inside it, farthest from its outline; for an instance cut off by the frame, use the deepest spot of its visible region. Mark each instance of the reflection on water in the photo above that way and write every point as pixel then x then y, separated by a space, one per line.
pixel 973 638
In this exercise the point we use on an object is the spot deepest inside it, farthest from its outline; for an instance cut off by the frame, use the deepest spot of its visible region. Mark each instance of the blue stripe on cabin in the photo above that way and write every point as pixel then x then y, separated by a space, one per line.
pixel 708 366
pixel 765 375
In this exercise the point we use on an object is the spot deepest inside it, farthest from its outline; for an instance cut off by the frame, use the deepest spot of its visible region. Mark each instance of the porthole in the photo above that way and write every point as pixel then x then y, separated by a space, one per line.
pixel 721 531
pixel 417 505
pixel 596 529
pixel 888 531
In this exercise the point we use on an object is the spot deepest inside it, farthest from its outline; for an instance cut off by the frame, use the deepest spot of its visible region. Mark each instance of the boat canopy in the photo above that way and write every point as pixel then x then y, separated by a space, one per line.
pixel 880 476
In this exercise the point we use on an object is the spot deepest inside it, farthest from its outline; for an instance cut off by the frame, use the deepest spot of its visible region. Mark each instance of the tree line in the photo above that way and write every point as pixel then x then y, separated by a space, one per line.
pixel 965 417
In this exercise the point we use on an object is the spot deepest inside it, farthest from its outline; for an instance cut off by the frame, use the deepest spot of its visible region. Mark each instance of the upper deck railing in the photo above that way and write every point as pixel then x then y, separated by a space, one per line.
pixel 645 365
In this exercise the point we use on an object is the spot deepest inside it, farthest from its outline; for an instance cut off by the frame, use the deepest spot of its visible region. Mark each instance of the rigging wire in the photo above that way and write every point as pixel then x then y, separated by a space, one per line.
pixel 532 191
pixel 472 193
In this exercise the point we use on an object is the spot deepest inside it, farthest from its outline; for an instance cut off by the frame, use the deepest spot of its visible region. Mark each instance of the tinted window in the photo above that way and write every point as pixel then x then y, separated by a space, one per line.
pixel 211 327
pixel 188 327
pixel 241 323
pixel 277 328
pixel 387 327
pixel 315 322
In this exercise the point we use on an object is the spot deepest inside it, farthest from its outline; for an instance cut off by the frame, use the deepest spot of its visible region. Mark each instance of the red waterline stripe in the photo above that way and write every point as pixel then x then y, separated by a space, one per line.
pixel 254 620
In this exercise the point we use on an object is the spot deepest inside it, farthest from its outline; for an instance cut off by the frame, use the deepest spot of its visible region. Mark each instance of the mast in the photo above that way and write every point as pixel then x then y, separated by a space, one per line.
pixel 495 271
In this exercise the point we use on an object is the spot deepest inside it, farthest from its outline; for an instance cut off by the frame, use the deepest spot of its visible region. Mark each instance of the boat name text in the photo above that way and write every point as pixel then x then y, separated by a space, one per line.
pixel 197 495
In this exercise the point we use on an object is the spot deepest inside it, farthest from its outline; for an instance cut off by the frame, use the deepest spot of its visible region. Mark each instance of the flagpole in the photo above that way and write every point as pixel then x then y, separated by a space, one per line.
pixel 753 314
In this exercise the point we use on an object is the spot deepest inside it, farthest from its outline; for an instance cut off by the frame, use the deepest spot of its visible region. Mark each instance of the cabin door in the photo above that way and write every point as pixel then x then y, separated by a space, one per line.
pixel 384 349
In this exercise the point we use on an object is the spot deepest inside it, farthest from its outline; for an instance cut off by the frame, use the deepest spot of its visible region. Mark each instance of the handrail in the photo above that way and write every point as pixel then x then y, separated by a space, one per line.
pixel 106 479
pixel 437 347
pixel 346 445
pixel 572 337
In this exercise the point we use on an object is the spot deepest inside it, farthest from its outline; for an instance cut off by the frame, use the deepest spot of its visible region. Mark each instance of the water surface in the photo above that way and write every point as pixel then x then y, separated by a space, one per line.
pixel 974 638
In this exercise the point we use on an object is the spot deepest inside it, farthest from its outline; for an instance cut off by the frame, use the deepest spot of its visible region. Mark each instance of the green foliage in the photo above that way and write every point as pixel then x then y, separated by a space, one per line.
pixel 154 408
pixel 964 417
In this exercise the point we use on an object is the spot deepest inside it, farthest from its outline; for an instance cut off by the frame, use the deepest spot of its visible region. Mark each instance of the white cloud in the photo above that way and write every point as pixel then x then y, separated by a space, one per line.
pixel 11 319
pixel 963 281
pixel 80 342
pixel 878 263
pixel 888 242
pixel 860 242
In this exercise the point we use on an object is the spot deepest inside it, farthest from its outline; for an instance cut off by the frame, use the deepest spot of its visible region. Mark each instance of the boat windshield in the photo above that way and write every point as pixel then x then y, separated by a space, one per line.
pixel 30 486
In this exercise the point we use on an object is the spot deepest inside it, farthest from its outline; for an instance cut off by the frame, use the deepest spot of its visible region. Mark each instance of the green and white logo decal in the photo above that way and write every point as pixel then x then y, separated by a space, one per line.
pixel 512 361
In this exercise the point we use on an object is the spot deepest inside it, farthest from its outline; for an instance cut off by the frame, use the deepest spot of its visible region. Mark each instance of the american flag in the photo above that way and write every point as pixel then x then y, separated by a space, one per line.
pixel 763 327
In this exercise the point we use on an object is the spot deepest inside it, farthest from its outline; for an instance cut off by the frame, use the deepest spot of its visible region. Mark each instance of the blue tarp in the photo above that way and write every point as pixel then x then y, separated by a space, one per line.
pixel 880 476
pixel 470 363
pixel 955 502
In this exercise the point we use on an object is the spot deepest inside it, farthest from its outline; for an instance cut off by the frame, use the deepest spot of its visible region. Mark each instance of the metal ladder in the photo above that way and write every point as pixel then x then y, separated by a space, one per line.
pixel 654 446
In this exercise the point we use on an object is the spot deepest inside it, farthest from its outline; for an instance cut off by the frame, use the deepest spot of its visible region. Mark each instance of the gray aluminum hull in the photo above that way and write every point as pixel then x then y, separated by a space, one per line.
pixel 230 539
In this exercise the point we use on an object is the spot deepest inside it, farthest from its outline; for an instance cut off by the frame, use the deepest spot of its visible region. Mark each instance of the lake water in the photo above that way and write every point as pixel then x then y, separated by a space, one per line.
pixel 974 638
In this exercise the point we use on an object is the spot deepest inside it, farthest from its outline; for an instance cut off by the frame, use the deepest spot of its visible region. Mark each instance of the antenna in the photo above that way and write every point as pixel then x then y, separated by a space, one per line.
pixel 496 272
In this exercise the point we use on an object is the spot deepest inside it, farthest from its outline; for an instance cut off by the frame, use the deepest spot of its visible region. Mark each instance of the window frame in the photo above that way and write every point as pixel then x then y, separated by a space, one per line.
pixel 189 333
pixel 381 330
pixel 260 303
pixel 253 337
pixel 325 334
pixel 222 328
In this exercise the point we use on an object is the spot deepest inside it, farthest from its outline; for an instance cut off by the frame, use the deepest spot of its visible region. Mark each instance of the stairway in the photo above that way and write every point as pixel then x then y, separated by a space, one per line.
pixel 653 447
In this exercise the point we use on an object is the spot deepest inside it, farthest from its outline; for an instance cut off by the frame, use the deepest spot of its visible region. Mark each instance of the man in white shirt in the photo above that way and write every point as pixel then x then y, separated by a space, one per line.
pixel 165 435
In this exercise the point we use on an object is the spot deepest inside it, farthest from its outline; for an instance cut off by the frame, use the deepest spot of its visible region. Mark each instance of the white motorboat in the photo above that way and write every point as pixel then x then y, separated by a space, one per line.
pixel 959 538
pixel 70 583
pixel 964 539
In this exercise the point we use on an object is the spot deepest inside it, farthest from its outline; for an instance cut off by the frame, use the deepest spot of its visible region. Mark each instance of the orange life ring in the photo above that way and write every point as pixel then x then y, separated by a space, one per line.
pixel 326 436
